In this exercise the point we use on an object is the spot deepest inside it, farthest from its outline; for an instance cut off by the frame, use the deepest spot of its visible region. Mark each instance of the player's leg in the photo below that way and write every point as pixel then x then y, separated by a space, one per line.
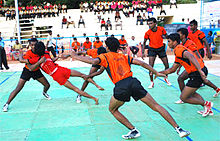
pixel 151 63
pixel 46 85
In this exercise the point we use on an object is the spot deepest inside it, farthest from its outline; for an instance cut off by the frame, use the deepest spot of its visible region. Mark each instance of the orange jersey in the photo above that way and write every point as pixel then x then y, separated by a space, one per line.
pixel 87 45
pixel 122 42
pixel 97 44
pixel 156 38
pixel 190 45
pixel 117 65
pixel 189 67
pixel 29 56
pixel 92 52
pixel 75 45
pixel 197 37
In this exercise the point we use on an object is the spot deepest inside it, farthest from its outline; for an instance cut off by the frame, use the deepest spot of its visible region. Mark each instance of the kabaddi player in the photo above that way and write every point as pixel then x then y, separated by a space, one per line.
pixel 58 73
pixel 118 68
pixel 26 75
pixel 156 47
pixel 197 72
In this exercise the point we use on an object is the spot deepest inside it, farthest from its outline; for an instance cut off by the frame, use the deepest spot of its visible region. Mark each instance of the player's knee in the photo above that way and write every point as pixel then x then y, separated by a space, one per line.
pixel 180 79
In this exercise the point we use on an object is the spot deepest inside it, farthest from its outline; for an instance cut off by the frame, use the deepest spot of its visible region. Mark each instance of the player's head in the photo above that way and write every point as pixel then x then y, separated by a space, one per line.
pixel 183 32
pixel 101 50
pixel 50 32
pixel 193 25
pixel 173 40
pixel 210 33
pixel 122 37
pixel 39 48
pixel 97 38
pixel 112 43
pixel 32 42
pixel 152 22
pixel 87 39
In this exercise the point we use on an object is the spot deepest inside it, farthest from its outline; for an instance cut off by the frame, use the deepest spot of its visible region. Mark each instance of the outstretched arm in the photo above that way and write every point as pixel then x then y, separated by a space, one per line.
pixel 172 69
pixel 85 59
pixel 146 66
pixel 101 70
pixel 143 48
pixel 34 66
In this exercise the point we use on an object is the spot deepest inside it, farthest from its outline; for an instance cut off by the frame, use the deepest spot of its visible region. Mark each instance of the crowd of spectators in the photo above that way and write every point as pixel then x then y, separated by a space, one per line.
pixel 41 11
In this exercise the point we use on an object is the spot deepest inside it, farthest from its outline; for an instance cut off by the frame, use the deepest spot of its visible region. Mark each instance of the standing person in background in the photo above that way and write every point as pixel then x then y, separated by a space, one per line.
pixel 50 45
pixel 81 21
pixel 173 2
pixel 210 39
pixel 3 59
pixel 60 44
pixel 198 37
pixel 156 47
pixel 15 49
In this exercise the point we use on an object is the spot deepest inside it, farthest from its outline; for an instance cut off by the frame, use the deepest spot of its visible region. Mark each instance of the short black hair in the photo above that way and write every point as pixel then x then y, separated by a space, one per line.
pixel 122 35
pixel 152 19
pixel 101 50
pixel 39 48
pixel 112 43
pixel 210 32
pixel 33 40
pixel 74 39
pixel 97 38
pixel 183 31
pixel 174 37
pixel 194 22
pixel 87 38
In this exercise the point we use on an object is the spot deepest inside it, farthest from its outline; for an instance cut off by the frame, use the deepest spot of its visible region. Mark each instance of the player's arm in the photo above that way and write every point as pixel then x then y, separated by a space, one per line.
pixel 172 69
pixel 36 65
pixel 143 47
pixel 209 55
pixel 21 59
pixel 192 59
pixel 55 59
pixel 85 59
pixel 146 66
pixel 101 70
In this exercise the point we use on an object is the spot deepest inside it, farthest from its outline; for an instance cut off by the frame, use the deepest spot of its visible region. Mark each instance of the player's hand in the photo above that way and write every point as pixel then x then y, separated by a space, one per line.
pixel 159 75
pixel 42 60
pixel 209 56
pixel 178 71
pixel 204 77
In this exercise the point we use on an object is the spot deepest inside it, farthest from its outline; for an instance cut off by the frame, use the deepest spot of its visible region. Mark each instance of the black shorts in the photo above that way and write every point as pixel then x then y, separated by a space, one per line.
pixel 195 80
pixel 96 66
pixel 161 52
pixel 202 52
pixel 26 74
pixel 129 87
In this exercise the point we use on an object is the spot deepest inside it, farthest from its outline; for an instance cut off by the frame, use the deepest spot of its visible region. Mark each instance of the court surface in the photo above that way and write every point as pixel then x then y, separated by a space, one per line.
pixel 33 118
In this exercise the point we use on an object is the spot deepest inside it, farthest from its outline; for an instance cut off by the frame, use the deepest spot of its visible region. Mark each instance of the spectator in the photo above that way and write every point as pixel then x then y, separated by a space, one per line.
pixel 109 24
pixel 64 21
pixel 15 49
pixel 81 21
pixel 99 16
pixel 144 18
pixel 75 45
pixel 159 3
pixel 97 43
pixel 126 12
pixel 117 15
pixel 173 2
pixel 87 44
pixel 123 44
pixel 3 59
pixel 50 45
pixel 131 11
pixel 210 39
pixel 118 23
pixel 149 10
pixel 133 46
pixel 139 19
pixel 103 24
pixel 70 21
pixel 60 44
pixel 162 10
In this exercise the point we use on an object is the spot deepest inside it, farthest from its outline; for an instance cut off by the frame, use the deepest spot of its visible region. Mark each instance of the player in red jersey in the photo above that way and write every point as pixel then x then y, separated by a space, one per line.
pixel 26 75
pixel 59 74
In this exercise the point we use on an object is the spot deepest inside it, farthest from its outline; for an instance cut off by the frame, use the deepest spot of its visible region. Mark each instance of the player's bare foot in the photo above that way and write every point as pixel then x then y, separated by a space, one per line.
pixel 96 101
pixel 100 88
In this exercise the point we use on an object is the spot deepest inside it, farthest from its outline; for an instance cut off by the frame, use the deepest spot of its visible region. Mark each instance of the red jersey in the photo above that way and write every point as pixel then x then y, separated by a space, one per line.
pixel 155 37
pixel 189 67
pixel 197 37
pixel 29 56
pixel 190 45
pixel 117 65
pixel 92 52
